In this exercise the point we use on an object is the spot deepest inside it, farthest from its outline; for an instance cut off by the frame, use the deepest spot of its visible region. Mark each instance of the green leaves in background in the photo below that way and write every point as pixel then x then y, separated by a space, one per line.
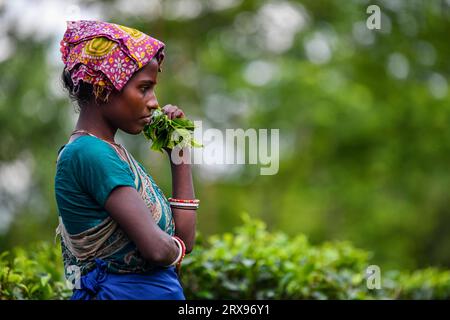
pixel 252 263
pixel 35 273
pixel 248 263
pixel 363 118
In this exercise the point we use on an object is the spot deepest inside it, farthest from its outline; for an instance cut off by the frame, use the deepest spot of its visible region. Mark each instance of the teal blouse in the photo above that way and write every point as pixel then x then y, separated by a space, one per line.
pixel 87 170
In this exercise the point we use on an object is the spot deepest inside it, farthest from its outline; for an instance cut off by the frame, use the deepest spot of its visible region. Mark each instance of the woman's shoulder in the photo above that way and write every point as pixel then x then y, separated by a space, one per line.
pixel 88 148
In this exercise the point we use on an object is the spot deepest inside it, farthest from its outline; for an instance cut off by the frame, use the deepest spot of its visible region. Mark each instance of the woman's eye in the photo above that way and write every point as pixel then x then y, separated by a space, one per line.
pixel 144 89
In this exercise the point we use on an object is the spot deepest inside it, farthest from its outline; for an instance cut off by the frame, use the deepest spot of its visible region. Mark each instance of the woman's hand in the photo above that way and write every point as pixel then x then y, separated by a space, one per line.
pixel 172 112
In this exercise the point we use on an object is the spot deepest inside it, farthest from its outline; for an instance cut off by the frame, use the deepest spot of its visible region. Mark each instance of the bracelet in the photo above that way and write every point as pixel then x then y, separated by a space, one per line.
pixel 184 206
pixel 184 200
pixel 181 254
pixel 189 204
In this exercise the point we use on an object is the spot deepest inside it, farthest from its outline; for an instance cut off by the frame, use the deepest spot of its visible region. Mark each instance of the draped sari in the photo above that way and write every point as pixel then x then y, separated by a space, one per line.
pixel 110 265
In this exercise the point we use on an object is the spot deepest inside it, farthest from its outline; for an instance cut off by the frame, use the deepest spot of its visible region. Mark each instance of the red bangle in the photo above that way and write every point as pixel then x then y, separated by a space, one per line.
pixel 184 200
pixel 183 250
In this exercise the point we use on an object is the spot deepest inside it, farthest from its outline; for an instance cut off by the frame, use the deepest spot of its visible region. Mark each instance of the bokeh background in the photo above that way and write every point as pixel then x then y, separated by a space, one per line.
pixel 363 115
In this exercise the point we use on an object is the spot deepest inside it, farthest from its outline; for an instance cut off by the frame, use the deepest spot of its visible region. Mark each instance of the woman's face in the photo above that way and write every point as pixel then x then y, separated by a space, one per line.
pixel 130 109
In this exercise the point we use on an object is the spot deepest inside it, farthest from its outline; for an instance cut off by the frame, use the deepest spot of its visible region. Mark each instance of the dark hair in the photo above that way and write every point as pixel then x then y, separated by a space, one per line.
pixel 85 93
pixel 82 94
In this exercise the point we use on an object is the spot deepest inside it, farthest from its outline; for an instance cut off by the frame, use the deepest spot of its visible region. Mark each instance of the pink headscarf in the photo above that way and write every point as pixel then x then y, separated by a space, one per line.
pixel 106 55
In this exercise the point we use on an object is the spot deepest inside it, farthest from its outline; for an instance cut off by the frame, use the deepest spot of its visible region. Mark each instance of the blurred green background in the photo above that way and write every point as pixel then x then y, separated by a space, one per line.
pixel 363 115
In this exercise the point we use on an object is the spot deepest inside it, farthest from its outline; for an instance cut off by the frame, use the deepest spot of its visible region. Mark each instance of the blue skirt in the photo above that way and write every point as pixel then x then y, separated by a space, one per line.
pixel 163 284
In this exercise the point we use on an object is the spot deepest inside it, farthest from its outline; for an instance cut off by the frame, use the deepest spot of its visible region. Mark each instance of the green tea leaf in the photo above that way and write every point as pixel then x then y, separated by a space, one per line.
pixel 167 133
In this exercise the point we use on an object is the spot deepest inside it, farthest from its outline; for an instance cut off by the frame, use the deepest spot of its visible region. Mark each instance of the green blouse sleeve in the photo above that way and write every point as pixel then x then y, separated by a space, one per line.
pixel 99 170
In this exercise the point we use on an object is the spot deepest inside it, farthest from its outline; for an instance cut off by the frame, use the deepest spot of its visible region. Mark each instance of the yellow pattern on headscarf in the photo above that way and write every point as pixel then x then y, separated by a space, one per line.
pixel 99 47
pixel 136 34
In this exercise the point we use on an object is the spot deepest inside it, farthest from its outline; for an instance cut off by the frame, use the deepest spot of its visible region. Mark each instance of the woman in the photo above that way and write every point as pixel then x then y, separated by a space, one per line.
pixel 118 230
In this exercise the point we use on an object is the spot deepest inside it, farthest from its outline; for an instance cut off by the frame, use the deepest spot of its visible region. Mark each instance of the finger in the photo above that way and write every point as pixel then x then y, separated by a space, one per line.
pixel 174 114
pixel 167 108
pixel 168 111
pixel 179 113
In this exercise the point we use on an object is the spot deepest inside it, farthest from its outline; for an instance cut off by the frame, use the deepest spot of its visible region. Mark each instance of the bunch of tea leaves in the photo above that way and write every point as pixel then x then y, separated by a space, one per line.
pixel 168 133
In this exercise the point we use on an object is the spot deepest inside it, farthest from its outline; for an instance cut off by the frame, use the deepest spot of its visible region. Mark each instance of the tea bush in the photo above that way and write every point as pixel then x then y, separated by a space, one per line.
pixel 250 263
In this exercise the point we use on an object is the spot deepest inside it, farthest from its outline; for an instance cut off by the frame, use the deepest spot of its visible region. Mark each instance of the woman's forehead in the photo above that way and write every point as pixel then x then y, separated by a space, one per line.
pixel 147 72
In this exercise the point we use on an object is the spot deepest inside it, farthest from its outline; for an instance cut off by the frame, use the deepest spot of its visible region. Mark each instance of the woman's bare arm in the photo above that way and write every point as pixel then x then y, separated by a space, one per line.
pixel 129 210
pixel 183 188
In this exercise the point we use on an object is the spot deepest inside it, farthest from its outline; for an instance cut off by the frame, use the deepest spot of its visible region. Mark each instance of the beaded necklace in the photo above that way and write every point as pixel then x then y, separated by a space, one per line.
pixel 112 144
pixel 93 135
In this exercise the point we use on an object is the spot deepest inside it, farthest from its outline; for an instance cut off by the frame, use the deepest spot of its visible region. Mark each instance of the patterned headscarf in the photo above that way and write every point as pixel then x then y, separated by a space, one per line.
pixel 106 55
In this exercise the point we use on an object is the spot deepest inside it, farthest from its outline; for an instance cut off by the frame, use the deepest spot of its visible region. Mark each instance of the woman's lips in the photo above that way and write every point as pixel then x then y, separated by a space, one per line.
pixel 146 119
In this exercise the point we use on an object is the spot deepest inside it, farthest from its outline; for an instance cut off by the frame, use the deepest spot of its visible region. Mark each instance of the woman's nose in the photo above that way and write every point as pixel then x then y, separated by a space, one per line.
pixel 152 103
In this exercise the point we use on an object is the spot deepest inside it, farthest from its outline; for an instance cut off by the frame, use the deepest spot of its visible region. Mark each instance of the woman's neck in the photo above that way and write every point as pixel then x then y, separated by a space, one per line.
pixel 92 121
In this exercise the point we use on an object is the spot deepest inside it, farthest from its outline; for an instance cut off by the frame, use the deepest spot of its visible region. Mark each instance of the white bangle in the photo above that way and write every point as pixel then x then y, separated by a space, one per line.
pixel 179 254
pixel 184 205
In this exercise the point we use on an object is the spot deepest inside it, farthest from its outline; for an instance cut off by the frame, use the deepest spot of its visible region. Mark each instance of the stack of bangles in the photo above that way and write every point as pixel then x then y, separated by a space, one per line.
pixel 181 254
pixel 192 204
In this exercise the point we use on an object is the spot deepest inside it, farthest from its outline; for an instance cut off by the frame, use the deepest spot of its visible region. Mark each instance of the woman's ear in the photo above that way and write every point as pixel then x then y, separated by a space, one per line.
pixel 160 59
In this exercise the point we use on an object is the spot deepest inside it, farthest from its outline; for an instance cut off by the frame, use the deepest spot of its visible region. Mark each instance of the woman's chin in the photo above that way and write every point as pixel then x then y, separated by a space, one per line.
pixel 134 131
